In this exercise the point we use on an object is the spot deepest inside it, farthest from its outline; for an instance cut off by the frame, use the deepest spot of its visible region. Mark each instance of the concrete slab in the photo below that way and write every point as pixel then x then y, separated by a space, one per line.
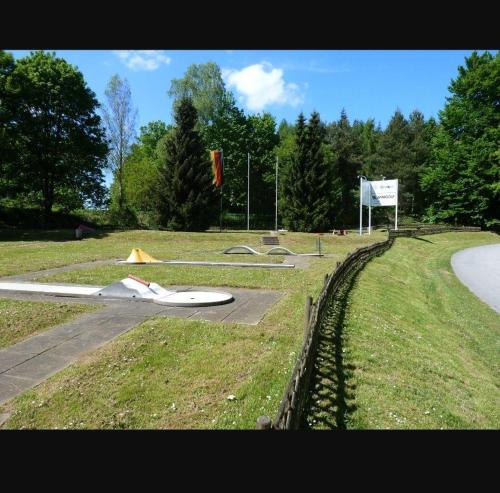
pixel 40 343
pixel 28 276
pixel 10 358
pixel 29 362
pixel 38 368
pixel 253 310
pixel 12 386
pixel 178 311
pixel 74 348
pixel 4 417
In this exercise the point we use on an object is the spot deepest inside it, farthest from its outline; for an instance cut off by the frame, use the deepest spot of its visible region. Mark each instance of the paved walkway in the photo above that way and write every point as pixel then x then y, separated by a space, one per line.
pixel 30 276
pixel 33 360
pixel 29 362
pixel 479 269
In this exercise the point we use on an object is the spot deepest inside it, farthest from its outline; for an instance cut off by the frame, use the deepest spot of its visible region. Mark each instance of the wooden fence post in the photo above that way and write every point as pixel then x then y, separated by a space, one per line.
pixel 308 312
pixel 264 423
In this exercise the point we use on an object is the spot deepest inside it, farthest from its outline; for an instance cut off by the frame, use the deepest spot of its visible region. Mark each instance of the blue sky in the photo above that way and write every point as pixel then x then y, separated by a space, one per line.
pixel 365 83
pixel 368 84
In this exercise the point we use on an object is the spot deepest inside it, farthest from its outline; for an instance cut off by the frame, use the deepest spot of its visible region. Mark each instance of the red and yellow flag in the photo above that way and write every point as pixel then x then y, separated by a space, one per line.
pixel 216 158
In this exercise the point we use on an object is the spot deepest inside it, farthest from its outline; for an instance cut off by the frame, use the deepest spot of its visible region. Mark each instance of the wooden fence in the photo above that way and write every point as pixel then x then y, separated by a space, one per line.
pixel 292 404
pixel 296 393
pixel 429 230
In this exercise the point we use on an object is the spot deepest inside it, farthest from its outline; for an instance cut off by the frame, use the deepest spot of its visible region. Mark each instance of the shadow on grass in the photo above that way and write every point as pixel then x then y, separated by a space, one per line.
pixel 238 231
pixel 422 239
pixel 57 235
pixel 331 394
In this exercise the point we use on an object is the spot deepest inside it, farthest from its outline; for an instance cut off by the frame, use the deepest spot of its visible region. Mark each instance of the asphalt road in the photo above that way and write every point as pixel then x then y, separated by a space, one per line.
pixel 479 269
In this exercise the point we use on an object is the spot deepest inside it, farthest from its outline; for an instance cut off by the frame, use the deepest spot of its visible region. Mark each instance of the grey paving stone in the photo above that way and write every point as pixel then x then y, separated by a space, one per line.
pixel 40 343
pixel 178 311
pixel 10 358
pixel 74 348
pixel 218 313
pixel 38 368
pixel 55 349
pixel 3 418
pixel 28 276
pixel 11 386
pixel 254 309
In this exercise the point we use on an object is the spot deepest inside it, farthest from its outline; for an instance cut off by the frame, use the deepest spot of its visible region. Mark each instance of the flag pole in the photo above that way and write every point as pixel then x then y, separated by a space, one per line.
pixel 276 211
pixel 248 193
pixel 222 184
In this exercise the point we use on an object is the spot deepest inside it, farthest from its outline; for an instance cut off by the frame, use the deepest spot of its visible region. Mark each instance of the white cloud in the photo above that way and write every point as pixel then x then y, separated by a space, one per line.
pixel 261 84
pixel 143 59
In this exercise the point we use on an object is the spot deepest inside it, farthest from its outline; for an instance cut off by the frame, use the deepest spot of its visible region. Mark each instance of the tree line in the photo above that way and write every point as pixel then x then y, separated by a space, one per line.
pixel 55 148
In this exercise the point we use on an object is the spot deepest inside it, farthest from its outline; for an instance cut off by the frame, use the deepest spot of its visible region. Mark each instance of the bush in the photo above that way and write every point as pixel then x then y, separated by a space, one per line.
pixel 126 217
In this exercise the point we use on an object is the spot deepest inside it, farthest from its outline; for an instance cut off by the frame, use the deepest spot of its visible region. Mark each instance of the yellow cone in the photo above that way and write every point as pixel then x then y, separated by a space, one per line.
pixel 138 256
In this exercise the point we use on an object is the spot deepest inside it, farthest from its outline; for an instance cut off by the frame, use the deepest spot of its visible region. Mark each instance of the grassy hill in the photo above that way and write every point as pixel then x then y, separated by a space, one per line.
pixel 419 350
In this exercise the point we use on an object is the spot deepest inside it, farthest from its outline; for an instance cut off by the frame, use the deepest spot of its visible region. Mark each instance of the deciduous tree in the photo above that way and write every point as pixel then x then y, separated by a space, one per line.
pixel 462 181
pixel 120 118
pixel 59 141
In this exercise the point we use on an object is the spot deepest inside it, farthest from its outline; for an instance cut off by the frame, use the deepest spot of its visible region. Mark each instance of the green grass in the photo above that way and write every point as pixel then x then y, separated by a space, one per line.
pixel 21 319
pixel 419 350
pixel 177 373
pixel 26 251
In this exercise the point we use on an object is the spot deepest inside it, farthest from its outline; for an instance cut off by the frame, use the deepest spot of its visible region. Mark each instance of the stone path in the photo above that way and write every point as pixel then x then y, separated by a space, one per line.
pixel 479 269
pixel 30 276
pixel 29 362
pixel 33 360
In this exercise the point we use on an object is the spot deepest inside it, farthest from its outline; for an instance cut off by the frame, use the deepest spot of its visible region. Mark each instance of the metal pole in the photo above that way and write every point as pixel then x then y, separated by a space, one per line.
pixel 397 199
pixel 276 211
pixel 360 205
pixel 222 184
pixel 369 212
pixel 248 194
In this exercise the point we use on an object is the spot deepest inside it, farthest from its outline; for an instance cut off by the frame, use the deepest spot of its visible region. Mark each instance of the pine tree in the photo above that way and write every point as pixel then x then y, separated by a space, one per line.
pixel 347 149
pixel 318 177
pixel 189 197
pixel 308 180
pixel 396 159
pixel 421 133
pixel 294 187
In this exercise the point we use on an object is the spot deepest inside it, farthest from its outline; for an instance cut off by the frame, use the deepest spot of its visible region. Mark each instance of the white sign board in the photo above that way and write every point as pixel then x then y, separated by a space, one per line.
pixel 380 193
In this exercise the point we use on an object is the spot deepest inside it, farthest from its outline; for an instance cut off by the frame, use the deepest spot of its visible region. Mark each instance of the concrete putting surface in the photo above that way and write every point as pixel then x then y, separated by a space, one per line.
pixel 130 288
